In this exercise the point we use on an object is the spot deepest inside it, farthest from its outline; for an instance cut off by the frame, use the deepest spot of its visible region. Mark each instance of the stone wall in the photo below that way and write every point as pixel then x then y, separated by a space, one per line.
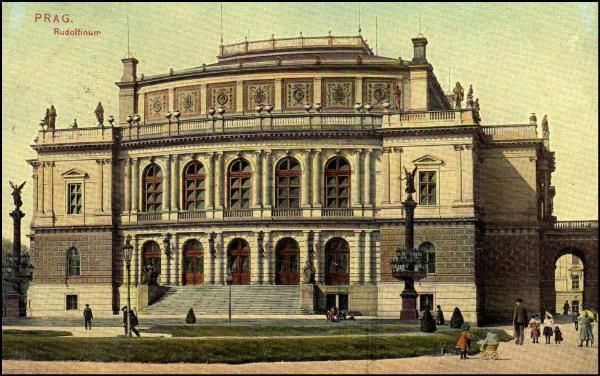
pixel 49 299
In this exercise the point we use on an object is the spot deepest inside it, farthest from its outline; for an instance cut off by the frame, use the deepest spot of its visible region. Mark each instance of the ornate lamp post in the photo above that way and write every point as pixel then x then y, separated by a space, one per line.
pixel 127 252
pixel 410 264
pixel 229 282
pixel 169 254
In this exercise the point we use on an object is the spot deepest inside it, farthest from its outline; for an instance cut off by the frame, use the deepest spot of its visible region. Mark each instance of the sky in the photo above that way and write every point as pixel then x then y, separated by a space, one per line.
pixel 520 58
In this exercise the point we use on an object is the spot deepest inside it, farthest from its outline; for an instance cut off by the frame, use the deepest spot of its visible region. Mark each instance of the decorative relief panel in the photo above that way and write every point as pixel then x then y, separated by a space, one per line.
pixel 157 105
pixel 338 94
pixel 376 92
pixel 187 100
pixel 258 92
pixel 222 95
pixel 296 94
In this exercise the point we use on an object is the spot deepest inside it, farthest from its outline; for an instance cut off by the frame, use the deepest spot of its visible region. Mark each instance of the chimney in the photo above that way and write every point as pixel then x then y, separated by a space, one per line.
pixel 420 55
pixel 129 69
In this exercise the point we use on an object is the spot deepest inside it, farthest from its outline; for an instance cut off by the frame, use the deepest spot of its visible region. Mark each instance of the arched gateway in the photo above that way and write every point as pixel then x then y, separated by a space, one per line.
pixel 238 261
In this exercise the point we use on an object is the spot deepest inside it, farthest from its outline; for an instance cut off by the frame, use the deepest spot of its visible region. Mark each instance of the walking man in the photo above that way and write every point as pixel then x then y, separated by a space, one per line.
pixel 566 308
pixel 87 317
pixel 576 320
pixel 519 321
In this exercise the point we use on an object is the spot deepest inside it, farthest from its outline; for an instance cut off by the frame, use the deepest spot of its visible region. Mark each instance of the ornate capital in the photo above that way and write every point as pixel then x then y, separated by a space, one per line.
pixel 469 146
pixel 386 150
pixel 458 147
pixel 398 149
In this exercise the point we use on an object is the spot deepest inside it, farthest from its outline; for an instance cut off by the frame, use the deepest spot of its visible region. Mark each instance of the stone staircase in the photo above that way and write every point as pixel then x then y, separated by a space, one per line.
pixel 214 300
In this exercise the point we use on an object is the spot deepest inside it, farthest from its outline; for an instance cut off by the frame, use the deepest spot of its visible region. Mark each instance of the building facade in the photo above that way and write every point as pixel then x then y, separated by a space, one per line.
pixel 280 166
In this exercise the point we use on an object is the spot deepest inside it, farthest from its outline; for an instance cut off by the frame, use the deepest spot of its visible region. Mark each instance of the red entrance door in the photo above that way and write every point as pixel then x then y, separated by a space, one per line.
pixel 238 262
pixel 193 263
pixel 287 252
pixel 337 257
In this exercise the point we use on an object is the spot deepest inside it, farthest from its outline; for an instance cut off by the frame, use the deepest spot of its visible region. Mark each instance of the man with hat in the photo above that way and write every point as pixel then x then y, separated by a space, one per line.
pixel 519 321
pixel 87 317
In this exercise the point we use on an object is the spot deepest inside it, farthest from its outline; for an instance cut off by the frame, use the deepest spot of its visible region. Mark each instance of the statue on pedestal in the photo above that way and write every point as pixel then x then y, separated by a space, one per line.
pixel 476 110
pixel 51 117
pixel 410 181
pixel 459 95
pixel 398 97
pixel 470 97
pixel 545 128
pixel 16 193
pixel 99 114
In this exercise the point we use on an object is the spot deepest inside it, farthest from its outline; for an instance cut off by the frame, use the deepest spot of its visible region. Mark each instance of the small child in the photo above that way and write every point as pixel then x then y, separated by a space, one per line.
pixel 534 325
pixel 547 333
pixel 463 341
pixel 557 335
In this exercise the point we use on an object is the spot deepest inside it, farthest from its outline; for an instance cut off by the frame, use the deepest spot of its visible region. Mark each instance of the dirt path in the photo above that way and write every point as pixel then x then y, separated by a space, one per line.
pixel 529 358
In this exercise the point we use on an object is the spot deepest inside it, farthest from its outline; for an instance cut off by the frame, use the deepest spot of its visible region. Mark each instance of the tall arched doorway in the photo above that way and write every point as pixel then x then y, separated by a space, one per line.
pixel 568 283
pixel 287 262
pixel 238 261
pixel 150 262
pixel 193 263
pixel 337 262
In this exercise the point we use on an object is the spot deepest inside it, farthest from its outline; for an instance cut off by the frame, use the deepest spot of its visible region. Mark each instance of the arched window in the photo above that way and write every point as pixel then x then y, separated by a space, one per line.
pixel 337 262
pixel 239 175
pixel 288 183
pixel 337 183
pixel 287 262
pixel 194 186
pixel 238 261
pixel 73 262
pixel 193 262
pixel 429 250
pixel 153 187
pixel 151 261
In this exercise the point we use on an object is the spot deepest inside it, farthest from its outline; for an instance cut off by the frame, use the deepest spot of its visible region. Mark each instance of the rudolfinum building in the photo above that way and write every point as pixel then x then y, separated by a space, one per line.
pixel 278 170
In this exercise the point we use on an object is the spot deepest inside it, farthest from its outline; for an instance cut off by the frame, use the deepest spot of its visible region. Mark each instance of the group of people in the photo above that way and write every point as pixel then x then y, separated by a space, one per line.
pixel 583 323
pixel 88 316
pixel 335 315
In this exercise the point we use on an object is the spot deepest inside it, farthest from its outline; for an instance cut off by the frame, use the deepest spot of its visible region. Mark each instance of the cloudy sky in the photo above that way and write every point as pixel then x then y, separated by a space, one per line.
pixel 520 59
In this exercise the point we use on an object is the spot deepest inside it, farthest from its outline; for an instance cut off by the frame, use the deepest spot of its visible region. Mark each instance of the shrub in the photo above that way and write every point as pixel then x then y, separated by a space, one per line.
pixel 428 323
pixel 190 318
pixel 457 319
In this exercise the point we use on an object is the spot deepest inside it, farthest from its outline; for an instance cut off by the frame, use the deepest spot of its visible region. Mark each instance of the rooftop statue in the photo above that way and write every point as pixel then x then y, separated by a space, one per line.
pixel 398 97
pixel 51 114
pixel 99 114
pixel 545 128
pixel 459 95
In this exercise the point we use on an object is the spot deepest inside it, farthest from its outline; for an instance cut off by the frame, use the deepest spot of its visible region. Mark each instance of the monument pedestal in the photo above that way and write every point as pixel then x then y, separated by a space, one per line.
pixel 409 301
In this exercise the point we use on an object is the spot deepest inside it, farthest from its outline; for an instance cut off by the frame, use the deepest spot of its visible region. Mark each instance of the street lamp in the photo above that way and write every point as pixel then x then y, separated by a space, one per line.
pixel 168 253
pixel 127 252
pixel 229 281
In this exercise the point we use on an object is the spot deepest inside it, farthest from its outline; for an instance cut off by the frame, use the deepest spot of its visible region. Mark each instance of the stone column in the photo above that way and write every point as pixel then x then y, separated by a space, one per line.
pixel 304 253
pixel 356 260
pixel 468 174
pixel 221 259
pixel 265 259
pixel 135 186
pixel 278 105
pixel 210 182
pixel 108 191
pixel 172 169
pixel 127 188
pixel 386 176
pixel 316 177
pixel 51 190
pixel 219 181
pixel 319 258
pixel 355 179
pixel 256 203
pixel 398 178
pixel 176 276
pixel 42 187
pixel 136 259
pixel 367 177
pixel 459 178
pixel 272 263
pixel 100 188
pixel 304 191
pixel 368 257
pixel 167 184
pixel 267 172
pixel 35 187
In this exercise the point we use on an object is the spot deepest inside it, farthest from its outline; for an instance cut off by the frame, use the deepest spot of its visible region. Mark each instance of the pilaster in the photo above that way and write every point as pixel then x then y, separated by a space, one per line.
pixel 316 179
pixel 277 106
pixel 368 256
pixel 397 177
pixel 135 186
pixel 100 186
pixel 167 185
pixel 386 176
pixel 459 174
pixel 356 260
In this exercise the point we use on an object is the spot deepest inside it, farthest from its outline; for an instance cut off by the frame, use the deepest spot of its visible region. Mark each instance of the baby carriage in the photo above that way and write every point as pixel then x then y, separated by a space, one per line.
pixel 489 346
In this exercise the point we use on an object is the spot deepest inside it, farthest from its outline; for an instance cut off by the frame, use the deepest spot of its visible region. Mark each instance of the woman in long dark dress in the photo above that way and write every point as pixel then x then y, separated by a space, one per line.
pixel 439 316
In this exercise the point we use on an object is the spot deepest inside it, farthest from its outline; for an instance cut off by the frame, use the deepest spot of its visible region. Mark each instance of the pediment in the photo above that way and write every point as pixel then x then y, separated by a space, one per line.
pixel 74 173
pixel 428 160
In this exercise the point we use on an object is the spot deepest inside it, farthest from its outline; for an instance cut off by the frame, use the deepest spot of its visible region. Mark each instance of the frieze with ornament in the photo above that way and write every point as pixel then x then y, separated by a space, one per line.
pixel 157 105
pixel 338 94
pixel 187 101
pixel 297 94
pixel 259 93
pixel 222 95
pixel 377 92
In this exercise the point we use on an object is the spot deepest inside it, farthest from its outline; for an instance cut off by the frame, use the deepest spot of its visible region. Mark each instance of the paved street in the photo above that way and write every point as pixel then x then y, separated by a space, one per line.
pixel 529 358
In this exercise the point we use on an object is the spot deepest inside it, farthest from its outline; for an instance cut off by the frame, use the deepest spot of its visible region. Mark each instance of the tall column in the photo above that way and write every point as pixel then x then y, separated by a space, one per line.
pixel 127 188
pixel 459 178
pixel 256 180
pixel 304 192
pixel 172 182
pixel 219 181
pixel 136 259
pixel 221 259
pixel 135 186
pixel 176 184
pixel 356 260
pixel 271 264
pixel 398 176
pixel 167 183
pixel 316 178
pixel 367 177
pixel 51 189
pixel 319 258
pixel 468 174
pixel 267 172
pixel 369 274
pixel 107 190
pixel 35 164
pixel 176 276
pixel 210 182
pixel 355 179
pixel 42 187
pixel 265 259
pixel 100 187
pixel 386 176
pixel 304 254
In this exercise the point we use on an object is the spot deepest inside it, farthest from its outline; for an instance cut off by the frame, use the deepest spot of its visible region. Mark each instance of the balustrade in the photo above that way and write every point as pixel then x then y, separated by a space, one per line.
pixel 191 215
pixel 337 212
pixel 286 213
pixel 150 216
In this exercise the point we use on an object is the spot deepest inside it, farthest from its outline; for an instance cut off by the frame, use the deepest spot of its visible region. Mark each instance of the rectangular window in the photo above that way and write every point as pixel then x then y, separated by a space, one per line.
pixel 575 282
pixel 427 188
pixel 71 302
pixel 426 300
pixel 75 198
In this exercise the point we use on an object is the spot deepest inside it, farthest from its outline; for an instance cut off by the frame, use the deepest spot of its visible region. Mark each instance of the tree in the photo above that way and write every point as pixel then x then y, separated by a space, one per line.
pixel 190 318
pixel 7 247
pixel 457 319
pixel 428 323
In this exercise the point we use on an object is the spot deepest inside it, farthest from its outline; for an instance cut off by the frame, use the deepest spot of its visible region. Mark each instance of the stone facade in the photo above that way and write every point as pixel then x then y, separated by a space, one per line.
pixel 212 177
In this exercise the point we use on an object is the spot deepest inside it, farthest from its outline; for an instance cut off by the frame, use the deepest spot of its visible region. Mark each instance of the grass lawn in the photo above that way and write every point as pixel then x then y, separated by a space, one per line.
pixel 35 333
pixel 233 351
